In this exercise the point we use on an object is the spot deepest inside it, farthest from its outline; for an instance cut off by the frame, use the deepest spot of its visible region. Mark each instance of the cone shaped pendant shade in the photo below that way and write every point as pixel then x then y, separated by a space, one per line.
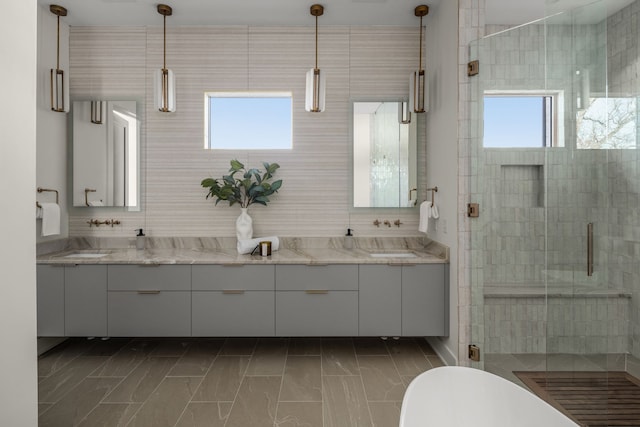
pixel 316 84
pixel 164 82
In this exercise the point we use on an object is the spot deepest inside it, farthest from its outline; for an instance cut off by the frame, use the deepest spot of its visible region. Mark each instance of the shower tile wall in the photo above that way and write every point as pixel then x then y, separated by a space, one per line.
pixel 536 199
pixel 360 63
pixel 623 243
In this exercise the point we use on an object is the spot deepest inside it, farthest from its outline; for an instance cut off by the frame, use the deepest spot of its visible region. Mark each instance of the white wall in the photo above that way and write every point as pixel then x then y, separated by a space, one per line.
pixel 442 148
pixel 18 388
pixel 51 159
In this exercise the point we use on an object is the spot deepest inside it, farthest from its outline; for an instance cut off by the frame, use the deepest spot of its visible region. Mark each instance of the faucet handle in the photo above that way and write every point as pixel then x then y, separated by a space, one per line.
pixel 397 223
pixel 376 222
pixel 387 223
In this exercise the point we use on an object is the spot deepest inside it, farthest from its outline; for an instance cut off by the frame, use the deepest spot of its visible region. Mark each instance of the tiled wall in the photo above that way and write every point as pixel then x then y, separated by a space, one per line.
pixel 361 63
pixel 583 325
pixel 623 169
pixel 537 232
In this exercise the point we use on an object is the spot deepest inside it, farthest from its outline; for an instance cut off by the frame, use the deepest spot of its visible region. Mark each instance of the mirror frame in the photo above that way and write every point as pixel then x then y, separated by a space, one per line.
pixel 85 210
pixel 381 210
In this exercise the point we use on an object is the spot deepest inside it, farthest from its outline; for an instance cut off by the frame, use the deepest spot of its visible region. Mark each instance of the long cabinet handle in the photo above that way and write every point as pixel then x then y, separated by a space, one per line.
pixel 233 291
pixel 316 291
pixel 148 292
pixel 590 249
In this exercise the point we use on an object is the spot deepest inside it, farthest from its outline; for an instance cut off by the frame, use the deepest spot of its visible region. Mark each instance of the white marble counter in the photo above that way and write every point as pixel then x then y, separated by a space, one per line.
pixel 217 251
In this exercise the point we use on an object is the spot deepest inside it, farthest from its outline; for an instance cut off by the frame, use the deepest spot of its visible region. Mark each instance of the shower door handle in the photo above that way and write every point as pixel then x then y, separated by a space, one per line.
pixel 590 249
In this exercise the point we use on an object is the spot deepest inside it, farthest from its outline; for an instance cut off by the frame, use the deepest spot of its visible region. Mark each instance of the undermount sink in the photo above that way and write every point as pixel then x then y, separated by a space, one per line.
pixel 86 255
pixel 393 255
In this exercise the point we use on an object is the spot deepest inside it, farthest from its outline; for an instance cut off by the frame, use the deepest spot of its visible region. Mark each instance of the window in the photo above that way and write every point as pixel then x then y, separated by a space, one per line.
pixel 248 120
pixel 520 120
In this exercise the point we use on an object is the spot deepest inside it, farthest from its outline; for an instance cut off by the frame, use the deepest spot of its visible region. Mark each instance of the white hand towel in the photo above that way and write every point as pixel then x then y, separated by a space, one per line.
pixel 50 219
pixel 435 214
pixel 247 246
pixel 425 214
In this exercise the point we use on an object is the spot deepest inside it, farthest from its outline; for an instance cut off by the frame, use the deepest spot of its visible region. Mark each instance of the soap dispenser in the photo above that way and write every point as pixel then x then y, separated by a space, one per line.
pixel 139 239
pixel 348 239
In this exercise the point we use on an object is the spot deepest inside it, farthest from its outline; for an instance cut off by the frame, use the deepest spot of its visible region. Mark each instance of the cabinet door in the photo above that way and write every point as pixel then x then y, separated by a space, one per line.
pixel 330 313
pixel 85 300
pixel 380 300
pixel 50 300
pixel 424 300
pixel 149 314
pixel 234 314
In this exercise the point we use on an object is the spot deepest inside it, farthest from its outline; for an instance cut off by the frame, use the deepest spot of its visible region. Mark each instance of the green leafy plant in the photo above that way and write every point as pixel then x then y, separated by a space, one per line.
pixel 244 186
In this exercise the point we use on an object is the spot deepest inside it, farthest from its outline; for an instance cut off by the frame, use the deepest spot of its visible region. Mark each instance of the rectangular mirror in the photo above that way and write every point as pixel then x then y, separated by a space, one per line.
pixel 384 156
pixel 106 146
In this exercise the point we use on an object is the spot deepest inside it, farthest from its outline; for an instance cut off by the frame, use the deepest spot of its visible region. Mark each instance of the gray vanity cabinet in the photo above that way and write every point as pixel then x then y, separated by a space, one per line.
pixel 313 300
pixel 233 300
pixel 50 300
pixel 380 300
pixel 149 300
pixel 85 308
pixel 425 300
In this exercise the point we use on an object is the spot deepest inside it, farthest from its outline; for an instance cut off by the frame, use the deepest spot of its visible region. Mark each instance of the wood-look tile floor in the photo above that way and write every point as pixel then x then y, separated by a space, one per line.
pixel 244 382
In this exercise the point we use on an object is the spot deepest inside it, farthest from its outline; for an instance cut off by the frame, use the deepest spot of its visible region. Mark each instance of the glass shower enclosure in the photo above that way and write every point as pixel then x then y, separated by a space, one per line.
pixel 555 252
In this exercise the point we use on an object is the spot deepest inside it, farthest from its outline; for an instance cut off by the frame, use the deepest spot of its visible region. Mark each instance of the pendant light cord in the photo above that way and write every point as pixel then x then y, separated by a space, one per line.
pixel 58 46
pixel 316 42
pixel 164 46
pixel 420 58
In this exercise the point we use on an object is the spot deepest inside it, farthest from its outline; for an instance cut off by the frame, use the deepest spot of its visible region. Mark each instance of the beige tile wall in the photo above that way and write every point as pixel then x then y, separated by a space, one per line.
pixel 361 63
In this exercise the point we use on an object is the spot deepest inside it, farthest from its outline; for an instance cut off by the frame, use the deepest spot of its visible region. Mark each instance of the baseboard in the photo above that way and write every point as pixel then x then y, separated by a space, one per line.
pixel 47 343
pixel 442 351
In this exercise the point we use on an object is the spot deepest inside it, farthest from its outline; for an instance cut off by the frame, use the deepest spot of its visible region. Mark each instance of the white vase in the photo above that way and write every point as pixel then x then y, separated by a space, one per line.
pixel 244 225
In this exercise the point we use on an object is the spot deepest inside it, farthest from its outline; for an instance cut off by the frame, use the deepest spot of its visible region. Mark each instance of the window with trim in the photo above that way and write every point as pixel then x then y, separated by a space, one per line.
pixel 522 120
pixel 248 120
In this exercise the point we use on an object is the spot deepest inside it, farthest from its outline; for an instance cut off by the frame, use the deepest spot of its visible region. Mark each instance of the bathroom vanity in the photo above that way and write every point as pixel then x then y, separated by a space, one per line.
pixel 206 293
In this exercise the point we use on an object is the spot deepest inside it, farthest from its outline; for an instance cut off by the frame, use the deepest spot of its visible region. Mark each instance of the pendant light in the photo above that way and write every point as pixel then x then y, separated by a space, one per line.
pixel 164 80
pixel 96 112
pixel 418 102
pixel 59 91
pixel 315 95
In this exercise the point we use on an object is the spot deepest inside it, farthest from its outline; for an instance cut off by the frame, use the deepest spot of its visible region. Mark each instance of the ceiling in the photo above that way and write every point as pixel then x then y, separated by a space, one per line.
pixel 296 12
pixel 241 12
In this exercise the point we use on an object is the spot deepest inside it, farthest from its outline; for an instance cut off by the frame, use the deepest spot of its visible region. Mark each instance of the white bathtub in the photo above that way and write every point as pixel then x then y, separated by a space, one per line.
pixel 455 396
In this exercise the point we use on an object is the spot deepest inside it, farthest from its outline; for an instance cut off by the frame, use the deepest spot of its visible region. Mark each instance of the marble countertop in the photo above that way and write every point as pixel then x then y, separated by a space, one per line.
pixel 292 254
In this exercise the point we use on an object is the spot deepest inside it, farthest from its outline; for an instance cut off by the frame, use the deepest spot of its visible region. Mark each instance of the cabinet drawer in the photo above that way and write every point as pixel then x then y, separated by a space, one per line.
pixel 334 313
pixel 162 314
pixel 238 277
pixel 317 277
pixel 149 277
pixel 241 314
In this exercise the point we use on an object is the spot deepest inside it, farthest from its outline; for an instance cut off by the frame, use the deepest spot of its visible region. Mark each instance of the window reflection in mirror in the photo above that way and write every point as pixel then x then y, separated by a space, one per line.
pixel 384 156
pixel 105 154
